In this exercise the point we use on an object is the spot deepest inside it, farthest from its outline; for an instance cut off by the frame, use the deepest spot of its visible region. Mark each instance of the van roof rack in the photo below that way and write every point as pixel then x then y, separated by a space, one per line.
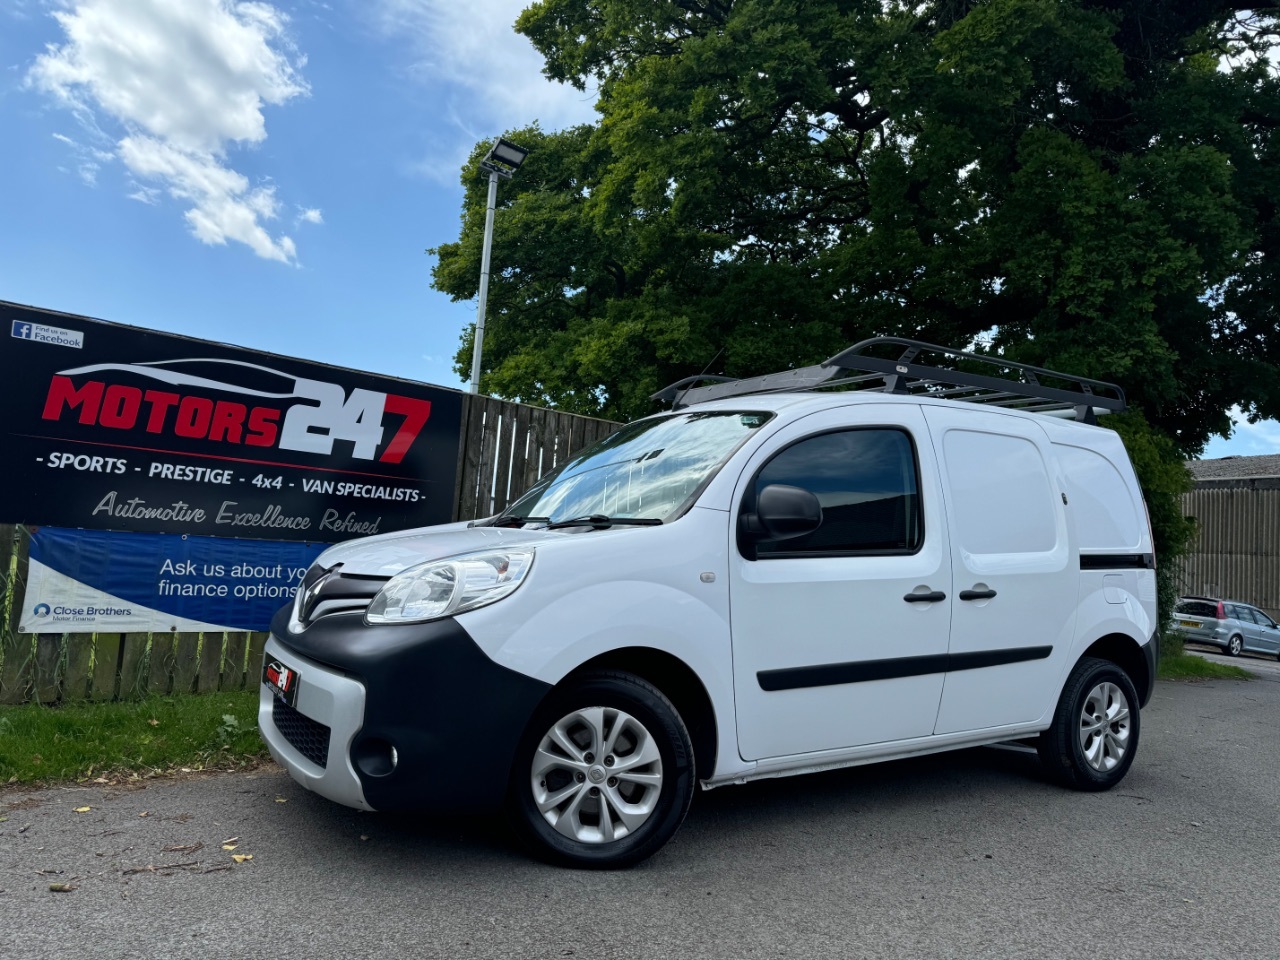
pixel 863 366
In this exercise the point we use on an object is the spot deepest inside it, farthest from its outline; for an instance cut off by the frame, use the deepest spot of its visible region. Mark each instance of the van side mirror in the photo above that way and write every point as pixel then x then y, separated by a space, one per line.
pixel 782 512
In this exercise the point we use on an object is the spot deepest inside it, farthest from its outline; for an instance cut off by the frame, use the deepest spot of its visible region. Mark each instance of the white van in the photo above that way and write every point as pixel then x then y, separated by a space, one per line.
pixel 755 584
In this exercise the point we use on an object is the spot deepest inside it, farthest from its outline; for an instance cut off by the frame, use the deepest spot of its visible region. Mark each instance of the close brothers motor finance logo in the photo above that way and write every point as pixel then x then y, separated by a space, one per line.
pixel 42 610
pixel 269 420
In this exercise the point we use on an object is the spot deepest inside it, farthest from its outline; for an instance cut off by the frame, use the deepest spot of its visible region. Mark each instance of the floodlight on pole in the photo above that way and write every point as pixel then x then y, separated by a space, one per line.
pixel 502 160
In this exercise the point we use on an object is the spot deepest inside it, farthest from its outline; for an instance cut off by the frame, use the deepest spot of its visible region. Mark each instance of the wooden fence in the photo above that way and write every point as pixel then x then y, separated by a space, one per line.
pixel 505 447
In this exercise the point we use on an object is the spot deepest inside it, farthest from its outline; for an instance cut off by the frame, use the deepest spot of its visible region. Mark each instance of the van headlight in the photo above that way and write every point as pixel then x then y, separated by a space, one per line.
pixel 442 588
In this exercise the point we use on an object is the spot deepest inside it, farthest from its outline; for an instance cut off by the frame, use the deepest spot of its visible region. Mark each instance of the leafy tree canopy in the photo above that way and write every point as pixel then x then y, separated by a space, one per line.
pixel 1090 185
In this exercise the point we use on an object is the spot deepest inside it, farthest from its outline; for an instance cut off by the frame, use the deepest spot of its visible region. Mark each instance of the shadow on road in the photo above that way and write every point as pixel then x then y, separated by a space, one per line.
pixel 767 812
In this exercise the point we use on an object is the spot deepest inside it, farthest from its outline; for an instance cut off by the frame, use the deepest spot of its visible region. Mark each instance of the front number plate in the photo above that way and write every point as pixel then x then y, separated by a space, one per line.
pixel 282 680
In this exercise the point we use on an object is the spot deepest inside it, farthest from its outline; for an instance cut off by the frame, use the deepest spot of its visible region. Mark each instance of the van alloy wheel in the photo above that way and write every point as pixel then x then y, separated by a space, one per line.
pixel 1094 736
pixel 597 775
pixel 604 774
pixel 1104 727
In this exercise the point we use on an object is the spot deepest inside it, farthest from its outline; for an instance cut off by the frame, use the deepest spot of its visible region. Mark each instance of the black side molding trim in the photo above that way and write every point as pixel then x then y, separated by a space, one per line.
pixel 831 674
pixel 997 658
pixel 1117 561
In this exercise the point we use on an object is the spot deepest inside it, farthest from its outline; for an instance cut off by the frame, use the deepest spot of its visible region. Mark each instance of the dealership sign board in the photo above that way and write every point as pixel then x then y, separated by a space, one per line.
pixel 116 428
pixel 86 581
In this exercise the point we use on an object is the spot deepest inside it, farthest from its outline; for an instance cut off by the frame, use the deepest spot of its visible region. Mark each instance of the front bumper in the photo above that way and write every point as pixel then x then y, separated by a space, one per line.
pixel 452 715
pixel 329 700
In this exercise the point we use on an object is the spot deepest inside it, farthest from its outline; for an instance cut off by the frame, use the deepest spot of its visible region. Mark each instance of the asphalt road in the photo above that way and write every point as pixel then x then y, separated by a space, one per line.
pixel 959 855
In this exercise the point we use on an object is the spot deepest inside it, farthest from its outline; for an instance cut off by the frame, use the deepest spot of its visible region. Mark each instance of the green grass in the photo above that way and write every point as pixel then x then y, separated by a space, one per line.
pixel 127 740
pixel 1176 664
pixel 1187 666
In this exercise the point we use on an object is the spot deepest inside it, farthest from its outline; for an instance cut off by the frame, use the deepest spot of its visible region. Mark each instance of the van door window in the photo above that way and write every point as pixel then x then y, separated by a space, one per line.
pixel 866 481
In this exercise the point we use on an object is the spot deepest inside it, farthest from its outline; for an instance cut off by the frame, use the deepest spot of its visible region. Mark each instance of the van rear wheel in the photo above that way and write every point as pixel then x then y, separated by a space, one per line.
pixel 604 774
pixel 1094 735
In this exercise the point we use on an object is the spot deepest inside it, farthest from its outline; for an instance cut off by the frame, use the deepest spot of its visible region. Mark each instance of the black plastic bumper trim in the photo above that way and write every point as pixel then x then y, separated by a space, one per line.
pixel 830 674
pixel 452 714
pixel 1152 652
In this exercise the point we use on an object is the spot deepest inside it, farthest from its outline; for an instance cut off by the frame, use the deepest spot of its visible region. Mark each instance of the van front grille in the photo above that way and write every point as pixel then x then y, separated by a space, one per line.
pixel 309 737
pixel 327 590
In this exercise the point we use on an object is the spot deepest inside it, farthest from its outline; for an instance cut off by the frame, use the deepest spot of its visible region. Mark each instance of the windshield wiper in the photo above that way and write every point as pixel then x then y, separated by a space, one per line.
pixel 600 521
pixel 511 520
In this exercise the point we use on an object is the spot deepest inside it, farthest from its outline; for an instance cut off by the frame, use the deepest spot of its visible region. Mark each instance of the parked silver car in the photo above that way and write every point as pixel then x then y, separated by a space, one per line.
pixel 1228 624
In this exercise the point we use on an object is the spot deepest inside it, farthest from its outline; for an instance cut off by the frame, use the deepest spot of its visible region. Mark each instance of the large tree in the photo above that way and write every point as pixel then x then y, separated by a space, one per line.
pixel 1087 184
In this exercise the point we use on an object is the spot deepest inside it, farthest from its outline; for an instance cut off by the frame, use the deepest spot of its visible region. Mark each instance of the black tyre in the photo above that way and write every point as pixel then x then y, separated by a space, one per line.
pixel 1095 729
pixel 1235 645
pixel 604 774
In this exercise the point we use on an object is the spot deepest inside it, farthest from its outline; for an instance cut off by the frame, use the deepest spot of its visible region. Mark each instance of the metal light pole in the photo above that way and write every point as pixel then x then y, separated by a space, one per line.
pixel 502 160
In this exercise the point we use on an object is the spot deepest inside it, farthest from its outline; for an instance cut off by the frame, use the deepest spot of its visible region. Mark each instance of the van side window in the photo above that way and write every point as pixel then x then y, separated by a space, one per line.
pixel 865 479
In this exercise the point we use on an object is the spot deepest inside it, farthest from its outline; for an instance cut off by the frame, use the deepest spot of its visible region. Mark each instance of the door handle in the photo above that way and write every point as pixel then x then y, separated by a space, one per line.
pixel 977 594
pixel 933 597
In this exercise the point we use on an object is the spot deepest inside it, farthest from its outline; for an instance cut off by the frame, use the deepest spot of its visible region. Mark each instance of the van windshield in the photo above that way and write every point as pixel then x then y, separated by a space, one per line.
pixel 647 470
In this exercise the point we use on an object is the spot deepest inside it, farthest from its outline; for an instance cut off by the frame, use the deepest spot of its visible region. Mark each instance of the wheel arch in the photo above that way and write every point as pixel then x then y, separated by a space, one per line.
pixel 1127 654
pixel 679 684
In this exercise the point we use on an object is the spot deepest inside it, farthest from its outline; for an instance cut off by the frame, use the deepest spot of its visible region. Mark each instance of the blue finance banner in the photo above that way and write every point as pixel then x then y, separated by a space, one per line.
pixel 84 581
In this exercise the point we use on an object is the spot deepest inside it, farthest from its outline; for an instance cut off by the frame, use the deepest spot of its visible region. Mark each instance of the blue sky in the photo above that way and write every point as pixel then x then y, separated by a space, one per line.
pixel 266 174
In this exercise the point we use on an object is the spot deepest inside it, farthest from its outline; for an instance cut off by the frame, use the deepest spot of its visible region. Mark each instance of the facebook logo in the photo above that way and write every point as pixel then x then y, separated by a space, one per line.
pixel 39 333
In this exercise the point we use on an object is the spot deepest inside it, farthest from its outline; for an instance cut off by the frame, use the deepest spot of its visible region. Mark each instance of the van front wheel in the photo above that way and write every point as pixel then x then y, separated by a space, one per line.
pixel 604 774
pixel 1094 736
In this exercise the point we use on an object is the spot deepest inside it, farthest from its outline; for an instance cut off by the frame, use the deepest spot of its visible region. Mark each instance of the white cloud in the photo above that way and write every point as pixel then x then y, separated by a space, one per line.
pixel 183 81
pixel 148 195
pixel 224 207
pixel 89 160
pixel 489 76
pixel 1246 440
pixel 310 215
